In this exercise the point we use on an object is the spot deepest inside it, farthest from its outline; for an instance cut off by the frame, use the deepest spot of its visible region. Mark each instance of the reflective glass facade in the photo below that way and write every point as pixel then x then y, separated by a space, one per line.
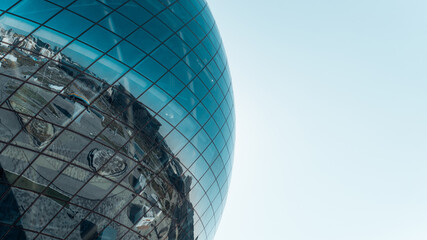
pixel 116 120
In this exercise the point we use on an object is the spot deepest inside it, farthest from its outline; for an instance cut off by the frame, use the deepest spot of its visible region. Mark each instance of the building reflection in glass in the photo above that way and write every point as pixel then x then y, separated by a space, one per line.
pixel 116 120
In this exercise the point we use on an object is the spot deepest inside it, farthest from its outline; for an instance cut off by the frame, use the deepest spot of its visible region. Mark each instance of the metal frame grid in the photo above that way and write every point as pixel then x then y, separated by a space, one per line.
pixel 225 99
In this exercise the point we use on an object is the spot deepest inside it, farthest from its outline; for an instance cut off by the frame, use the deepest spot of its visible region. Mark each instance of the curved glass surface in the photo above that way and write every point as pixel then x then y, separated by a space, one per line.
pixel 116 120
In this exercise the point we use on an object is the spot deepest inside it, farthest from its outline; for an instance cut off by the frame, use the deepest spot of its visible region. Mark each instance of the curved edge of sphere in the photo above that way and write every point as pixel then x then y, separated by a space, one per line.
pixel 116 120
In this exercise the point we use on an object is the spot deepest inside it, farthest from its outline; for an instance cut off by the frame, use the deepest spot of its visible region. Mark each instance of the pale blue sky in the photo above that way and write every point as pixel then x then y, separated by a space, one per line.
pixel 331 106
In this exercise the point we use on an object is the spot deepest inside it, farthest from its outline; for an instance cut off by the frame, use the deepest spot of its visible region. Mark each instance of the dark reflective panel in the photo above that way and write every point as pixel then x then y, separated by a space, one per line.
pixel 116 120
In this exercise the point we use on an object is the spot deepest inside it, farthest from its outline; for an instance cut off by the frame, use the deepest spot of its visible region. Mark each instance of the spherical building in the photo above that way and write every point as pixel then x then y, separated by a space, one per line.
pixel 116 120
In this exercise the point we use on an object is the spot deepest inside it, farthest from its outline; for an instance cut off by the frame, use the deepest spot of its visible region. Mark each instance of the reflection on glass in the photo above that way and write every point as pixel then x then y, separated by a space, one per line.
pixel 112 130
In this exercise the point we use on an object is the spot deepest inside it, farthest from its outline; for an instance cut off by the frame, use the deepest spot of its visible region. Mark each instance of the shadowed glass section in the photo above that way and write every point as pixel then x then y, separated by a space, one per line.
pixel 116 120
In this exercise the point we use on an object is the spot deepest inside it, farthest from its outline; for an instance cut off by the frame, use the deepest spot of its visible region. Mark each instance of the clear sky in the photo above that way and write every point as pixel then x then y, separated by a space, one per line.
pixel 331 107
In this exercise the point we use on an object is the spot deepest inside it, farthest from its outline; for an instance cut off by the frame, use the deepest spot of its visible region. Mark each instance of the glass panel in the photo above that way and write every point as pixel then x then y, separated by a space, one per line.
pixel 90 9
pixel 180 12
pixel 66 146
pixel 150 69
pixel 170 84
pixel 81 55
pixel 165 57
pixel 143 40
pixel 14 160
pixel 135 83
pixel 69 23
pixel 40 213
pixel 170 19
pixel 36 10
pixel 189 127
pixel 187 99
pixel 108 69
pixel 155 98
pixel 201 140
pixel 178 46
pixel 9 125
pixel 189 38
pixel 188 155
pixel 127 53
pixel 183 72
pixel 135 12
pixel 153 6
pixel 118 24
pixel 4 5
pixel 100 38
pixel 173 113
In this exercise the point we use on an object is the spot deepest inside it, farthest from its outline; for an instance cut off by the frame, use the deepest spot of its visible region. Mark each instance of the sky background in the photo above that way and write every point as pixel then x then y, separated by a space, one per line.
pixel 331 115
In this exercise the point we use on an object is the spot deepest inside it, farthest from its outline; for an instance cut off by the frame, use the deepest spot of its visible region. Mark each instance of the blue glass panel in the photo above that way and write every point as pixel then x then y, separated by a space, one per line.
pixel 154 6
pixel 201 140
pixel 202 205
pixel 199 168
pixel 17 24
pixel 209 47
pixel 203 54
pixel 216 73
pixel 213 192
pixel 173 113
pixel 189 6
pixel 165 56
pixel 188 155
pixel 143 40
pixel 196 29
pixel 189 38
pixel 187 99
pixel 165 128
pixel 219 141
pixel 177 45
pixel 194 62
pixel 90 9
pixel 155 98
pixel 183 72
pixel 207 16
pixel 176 141
pixel 217 165
pixel 200 113
pixel 81 53
pixel 52 37
pixel 108 69
pixel 170 84
pixel 217 93
pixel 157 29
pixel 63 2
pixel 179 11
pixel 216 203
pixel 4 5
pixel 150 68
pixel 202 24
pixel 197 192
pixel 127 53
pixel 100 38
pixel 219 117
pixel 69 23
pixel 135 12
pixel 36 10
pixel 210 103
pixel 211 128
pixel 198 88
pixel 118 24
pixel 170 20
pixel 188 127
pixel 113 3
pixel 210 153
